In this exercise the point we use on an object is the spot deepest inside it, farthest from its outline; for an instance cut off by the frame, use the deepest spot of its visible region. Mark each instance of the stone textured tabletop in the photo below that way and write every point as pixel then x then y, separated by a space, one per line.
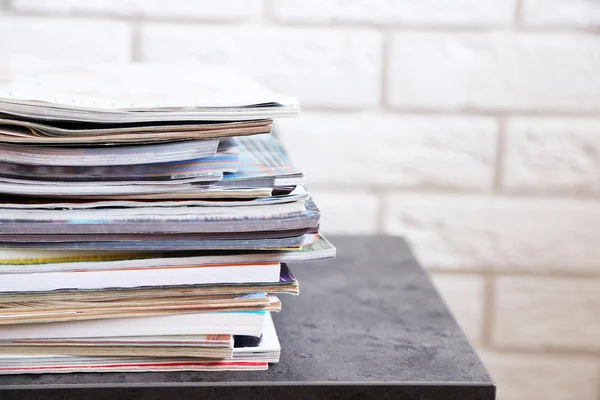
pixel 368 325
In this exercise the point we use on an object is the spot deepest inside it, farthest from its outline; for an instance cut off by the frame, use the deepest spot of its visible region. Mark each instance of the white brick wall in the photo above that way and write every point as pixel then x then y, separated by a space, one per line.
pixel 470 127
pixel 547 377
pixel 414 151
pixel 318 65
pixel 556 313
pixel 347 212
pixel 552 155
pixel 60 38
pixel 464 295
pixel 561 13
pixel 400 12
pixel 506 234
pixel 494 71
pixel 227 10
pixel 319 11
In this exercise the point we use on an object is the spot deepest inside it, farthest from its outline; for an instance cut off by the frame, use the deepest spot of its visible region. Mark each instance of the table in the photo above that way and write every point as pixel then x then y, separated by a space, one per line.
pixel 368 325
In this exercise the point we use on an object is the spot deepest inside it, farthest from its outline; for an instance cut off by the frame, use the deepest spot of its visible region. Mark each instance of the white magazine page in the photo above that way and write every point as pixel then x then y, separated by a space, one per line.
pixel 136 86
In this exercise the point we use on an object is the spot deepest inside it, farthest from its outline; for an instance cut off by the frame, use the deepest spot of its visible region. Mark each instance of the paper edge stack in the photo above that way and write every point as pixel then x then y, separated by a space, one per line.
pixel 173 264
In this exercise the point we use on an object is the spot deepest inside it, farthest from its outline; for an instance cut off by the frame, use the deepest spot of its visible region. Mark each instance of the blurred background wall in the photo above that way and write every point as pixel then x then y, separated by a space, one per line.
pixel 472 127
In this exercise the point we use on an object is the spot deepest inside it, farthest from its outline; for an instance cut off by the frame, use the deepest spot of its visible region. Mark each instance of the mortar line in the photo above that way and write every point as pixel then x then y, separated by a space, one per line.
pixel 459 192
pixel 381 212
pixel 488 308
pixel 540 272
pixel 518 15
pixel 385 59
pixel 500 154
pixel 107 16
pixel 267 12
pixel 545 351
pixel 598 377
pixel 136 49
pixel 416 28
pixel 387 110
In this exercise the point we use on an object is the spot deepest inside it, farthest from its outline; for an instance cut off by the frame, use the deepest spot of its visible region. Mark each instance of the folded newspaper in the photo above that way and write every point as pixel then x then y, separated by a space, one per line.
pixel 147 219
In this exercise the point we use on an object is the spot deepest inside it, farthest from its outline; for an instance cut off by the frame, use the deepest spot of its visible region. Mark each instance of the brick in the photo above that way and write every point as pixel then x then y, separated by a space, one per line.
pixel 388 150
pixel 406 12
pixel 352 213
pixel 495 71
pixel 542 313
pixel 464 295
pixel 507 234
pixel 552 155
pixel 323 67
pixel 60 38
pixel 539 376
pixel 185 9
pixel 375 11
pixel 453 12
pixel 561 13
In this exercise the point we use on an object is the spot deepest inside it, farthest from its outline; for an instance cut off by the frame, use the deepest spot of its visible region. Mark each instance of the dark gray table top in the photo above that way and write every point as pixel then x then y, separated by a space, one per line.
pixel 366 325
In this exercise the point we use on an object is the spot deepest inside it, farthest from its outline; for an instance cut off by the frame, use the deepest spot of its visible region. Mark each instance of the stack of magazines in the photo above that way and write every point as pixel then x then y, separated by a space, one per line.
pixel 147 216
